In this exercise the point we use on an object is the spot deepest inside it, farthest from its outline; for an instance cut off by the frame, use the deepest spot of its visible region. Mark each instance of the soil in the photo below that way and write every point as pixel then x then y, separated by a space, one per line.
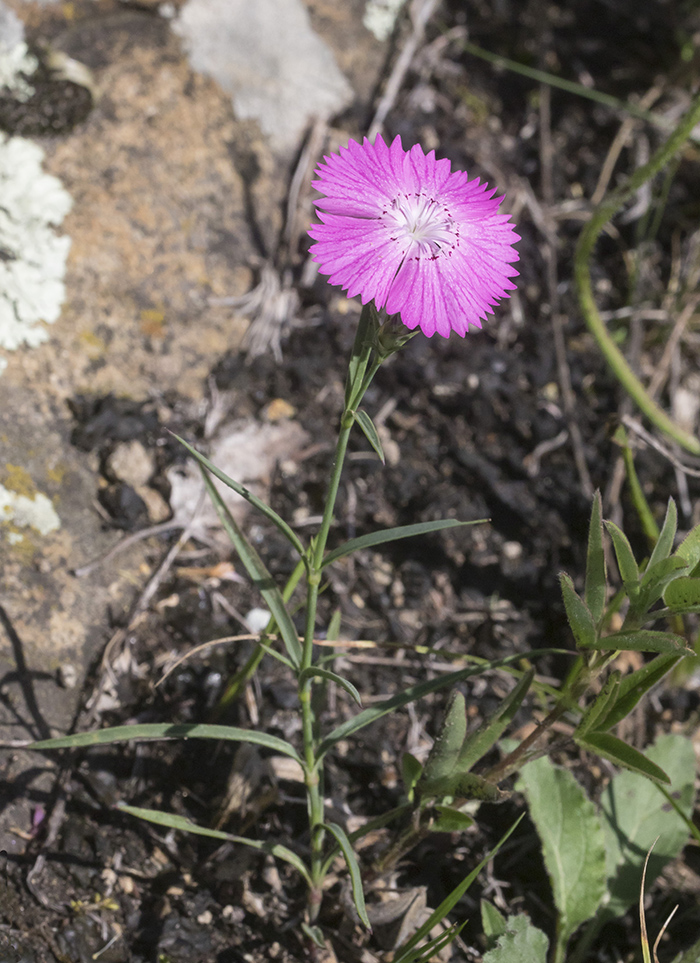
pixel 473 429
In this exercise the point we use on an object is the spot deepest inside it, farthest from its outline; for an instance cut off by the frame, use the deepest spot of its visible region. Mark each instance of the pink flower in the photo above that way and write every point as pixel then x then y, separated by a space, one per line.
pixel 400 228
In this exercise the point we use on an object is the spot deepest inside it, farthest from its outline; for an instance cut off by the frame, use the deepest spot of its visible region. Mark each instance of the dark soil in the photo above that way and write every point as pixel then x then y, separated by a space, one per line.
pixel 471 419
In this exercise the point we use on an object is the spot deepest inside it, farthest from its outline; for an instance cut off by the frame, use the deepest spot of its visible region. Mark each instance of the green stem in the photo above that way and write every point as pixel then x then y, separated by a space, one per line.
pixel 582 272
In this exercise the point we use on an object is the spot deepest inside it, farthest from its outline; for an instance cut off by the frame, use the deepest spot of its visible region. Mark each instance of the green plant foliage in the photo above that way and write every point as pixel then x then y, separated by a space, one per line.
pixel 643 640
pixel 683 594
pixel 393 535
pixel 615 750
pixel 573 845
pixel 691 955
pixel 634 686
pixel 580 617
pixel 635 813
pixel 664 543
pixel 493 922
pixel 626 562
pixel 521 943
pixel 596 574
pixel 370 432
pixel 348 852
pixel 479 742
pixel 450 820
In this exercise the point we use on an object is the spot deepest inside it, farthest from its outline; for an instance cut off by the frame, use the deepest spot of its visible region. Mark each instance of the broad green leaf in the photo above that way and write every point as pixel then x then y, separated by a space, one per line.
pixel 241 490
pixel 655 580
pixel 411 771
pixel 478 743
pixel 643 640
pixel 610 747
pixel 348 852
pixel 259 574
pixel 186 825
pixel 596 576
pixel 370 432
pixel 635 814
pixel 664 543
pixel 493 922
pixel 521 943
pixel 573 845
pixel 393 535
pixel 443 756
pixel 167 730
pixel 689 549
pixel 629 570
pixel 329 676
pixel 450 901
pixel 412 694
pixel 580 619
pixel 451 820
pixel 600 705
pixel 683 593
pixel 634 686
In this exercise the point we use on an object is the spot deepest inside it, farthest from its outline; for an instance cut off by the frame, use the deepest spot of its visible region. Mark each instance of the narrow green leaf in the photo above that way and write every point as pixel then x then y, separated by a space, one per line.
pixel 610 747
pixel 643 640
pixel 664 543
pixel 465 785
pixel 370 432
pixel 315 934
pixel 655 579
pixel 451 820
pixel 683 593
pixel 393 535
pixel 255 567
pixel 241 490
pixel 580 619
pixel 329 676
pixel 596 575
pixel 412 694
pixel 443 756
pixel 411 771
pixel 167 730
pixel 451 900
pixel 353 867
pixel 478 743
pixel 689 549
pixel 186 825
pixel 573 845
pixel 626 562
pixel 634 686
pixel 365 335
pixel 600 705
pixel 521 943
pixel 429 951
pixel 635 813
pixel 493 922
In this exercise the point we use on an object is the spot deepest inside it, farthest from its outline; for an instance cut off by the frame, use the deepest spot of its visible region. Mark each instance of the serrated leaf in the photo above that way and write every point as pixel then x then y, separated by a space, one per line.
pixel 643 640
pixel 635 813
pixel 689 549
pixel 573 845
pixel 683 593
pixel 186 825
pixel 259 574
pixel 634 686
pixel 610 747
pixel 580 619
pixel 167 730
pixel 521 943
pixel 450 820
pixel 478 743
pixel 596 575
pixel 600 705
pixel 626 562
pixel 493 922
pixel 664 543
pixel 244 492
pixel 393 535
pixel 346 849
pixel 370 432
pixel 328 676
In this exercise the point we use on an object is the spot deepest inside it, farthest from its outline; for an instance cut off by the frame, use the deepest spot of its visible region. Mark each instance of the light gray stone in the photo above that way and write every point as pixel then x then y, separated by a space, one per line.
pixel 267 56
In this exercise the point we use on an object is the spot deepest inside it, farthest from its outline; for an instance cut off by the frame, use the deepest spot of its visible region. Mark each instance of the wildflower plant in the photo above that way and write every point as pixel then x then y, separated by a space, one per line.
pixel 427 249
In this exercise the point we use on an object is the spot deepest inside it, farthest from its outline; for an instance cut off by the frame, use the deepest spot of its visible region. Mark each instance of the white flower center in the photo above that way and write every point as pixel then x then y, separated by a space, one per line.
pixel 425 223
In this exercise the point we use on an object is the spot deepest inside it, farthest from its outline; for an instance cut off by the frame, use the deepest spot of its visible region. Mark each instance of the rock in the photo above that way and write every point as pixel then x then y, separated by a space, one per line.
pixel 131 463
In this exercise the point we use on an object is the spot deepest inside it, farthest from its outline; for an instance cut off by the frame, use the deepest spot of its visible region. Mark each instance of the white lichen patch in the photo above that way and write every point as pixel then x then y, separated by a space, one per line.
pixel 21 511
pixel 32 255
pixel 380 16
